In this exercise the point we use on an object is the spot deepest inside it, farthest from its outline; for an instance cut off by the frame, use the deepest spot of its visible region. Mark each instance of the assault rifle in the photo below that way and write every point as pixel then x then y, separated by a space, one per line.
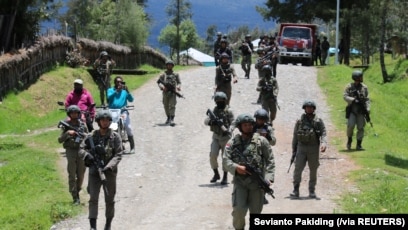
pixel 80 133
pixel 361 102
pixel 292 160
pixel 170 88
pixel 217 121
pixel 256 173
pixel 98 163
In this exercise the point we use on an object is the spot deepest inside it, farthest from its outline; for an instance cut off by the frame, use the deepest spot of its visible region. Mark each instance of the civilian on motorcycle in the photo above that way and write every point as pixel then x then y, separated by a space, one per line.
pixel 83 99
pixel 118 96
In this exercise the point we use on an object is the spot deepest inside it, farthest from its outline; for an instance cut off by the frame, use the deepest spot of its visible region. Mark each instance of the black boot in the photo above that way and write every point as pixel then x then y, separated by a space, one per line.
pixel 92 222
pixel 295 192
pixel 75 197
pixel 172 121
pixel 132 144
pixel 168 120
pixel 349 140
pixel 312 193
pixel 359 147
pixel 216 176
pixel 108 224
pixel 224 180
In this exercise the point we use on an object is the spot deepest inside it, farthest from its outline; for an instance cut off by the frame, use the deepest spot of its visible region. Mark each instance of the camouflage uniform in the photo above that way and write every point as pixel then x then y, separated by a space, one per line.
pixel 75 165
pixel 246 50
pixel 219 139
pixel 111 157
pixel 103 69
pixel 356 96
pixel 224 74
pixel 269 89
pixel 170 98
pixel 246 192
pixel 217 45
pixel 309 134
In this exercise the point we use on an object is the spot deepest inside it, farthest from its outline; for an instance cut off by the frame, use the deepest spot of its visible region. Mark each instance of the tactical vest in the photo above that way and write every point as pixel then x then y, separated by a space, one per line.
pixel 250 153
pixel 226 73
pixel 70 141
pixel 268 94
pixel 224 116
pixel 309 132
pixel 170 79
pixel 107 142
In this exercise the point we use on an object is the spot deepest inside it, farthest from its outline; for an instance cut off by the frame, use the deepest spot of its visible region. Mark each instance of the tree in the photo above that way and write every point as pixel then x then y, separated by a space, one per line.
pixel 178 11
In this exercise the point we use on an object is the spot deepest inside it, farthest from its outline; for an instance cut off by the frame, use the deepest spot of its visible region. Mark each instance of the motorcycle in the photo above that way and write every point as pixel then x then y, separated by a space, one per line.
pixel 85 115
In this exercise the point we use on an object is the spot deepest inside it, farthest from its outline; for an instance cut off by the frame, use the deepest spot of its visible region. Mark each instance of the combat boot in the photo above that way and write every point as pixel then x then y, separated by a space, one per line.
pixel 168 120
pixel 359 147
pixel 132 144
pixel 312 193
pixel 295 192
pixel 224 180
pixel 92 222
pixel 108 224
pixel 349 140
pixel 172 121
pixel 216 176
pixel 76 199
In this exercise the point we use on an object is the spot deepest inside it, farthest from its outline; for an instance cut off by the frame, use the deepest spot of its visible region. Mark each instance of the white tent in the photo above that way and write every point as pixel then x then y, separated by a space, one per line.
pixel 204 59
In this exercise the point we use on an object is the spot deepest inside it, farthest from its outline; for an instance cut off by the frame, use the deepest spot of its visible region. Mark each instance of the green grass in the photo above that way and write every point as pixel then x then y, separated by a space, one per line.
pixel 382 180
pixel 34 192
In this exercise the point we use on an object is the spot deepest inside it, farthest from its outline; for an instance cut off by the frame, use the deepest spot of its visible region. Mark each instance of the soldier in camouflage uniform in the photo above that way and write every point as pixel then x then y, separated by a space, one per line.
pixel 221 134
pixel 103 66
pixel 308 136
pixel 103 159
pixel 246 50
pixel 255 150
pixel 224 75
pixel 358 104
pixel 71 141
pixel 269 89
pixel 217 45
pixel 169 97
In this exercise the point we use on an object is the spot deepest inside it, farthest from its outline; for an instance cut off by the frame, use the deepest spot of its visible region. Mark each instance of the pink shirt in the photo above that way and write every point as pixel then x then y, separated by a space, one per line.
pixel 83 101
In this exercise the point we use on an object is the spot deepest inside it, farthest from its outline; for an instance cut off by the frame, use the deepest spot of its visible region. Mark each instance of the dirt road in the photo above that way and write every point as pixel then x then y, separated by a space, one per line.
pixel 165 185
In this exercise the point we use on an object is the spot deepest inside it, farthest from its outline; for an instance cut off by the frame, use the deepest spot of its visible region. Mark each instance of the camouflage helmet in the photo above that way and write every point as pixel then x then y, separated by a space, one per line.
pixel 244 118
pixel 309 103
pixel 356 74
pixel 223 40
pixel 260 50
pixel 266 68
pixel 169 62
pixel 220 96
pixel 262 114
pixel 73 108
pixel 225 55
pixel 104 113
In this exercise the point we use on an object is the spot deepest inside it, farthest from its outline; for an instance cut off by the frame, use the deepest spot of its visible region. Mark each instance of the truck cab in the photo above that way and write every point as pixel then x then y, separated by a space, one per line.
pixel 297 42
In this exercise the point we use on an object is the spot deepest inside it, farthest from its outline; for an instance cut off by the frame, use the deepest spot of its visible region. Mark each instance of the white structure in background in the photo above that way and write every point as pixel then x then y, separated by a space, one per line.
pixel 194 57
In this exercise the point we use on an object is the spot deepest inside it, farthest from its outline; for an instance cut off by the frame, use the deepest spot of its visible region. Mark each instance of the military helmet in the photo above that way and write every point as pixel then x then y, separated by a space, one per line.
pixel 103 53
pixel 309 103
pixel 169 62
pixel 104 113
pixel 356 74
pixel 73 108
pixel 244 118
pixel 266 68
pixel 247 36
pixel 220 96
pixel 262 114
pixel 223 41
pixel 219 34
pixel 225 55
pixel 260 50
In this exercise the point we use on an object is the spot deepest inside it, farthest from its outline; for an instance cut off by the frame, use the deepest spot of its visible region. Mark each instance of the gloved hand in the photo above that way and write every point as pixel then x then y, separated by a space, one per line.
pixel 89 160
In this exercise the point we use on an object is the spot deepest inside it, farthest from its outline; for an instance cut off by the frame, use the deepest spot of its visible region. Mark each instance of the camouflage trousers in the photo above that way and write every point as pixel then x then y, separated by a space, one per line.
pixel 94 188
pixel 217 145
pixel 76 170
pixel 103 85
pixel 353 121
pixel 309 154
pixel 270 106
pixel 246 195
pixel 246 64
pixel 169 103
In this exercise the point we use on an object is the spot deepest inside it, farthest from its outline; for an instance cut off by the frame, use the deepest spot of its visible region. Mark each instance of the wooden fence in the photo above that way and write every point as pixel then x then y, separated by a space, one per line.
pixel 21 69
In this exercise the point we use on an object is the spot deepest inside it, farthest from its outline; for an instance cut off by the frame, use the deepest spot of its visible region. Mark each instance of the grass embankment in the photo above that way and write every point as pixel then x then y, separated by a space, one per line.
pixel 382 178
pixel 34 195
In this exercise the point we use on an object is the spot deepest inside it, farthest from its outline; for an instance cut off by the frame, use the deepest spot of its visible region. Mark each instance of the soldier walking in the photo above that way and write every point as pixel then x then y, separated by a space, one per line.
pixel 224 75
pixel 102 151
pixel 269 89
pixel 246 50
pixel 308 136
pixel 170 84
pixel 103 66
pixel 358 108
pixel 71 141
pixel 255 150
pixel 217 45
pixel 220 126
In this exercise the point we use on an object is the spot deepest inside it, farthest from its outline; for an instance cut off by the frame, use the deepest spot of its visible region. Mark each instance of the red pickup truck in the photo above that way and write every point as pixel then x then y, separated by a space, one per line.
pixel 297 42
